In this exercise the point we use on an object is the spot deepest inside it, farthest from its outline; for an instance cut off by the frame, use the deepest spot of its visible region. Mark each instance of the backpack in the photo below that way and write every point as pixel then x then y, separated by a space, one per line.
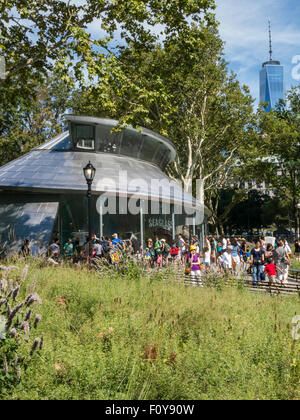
pixel 152 252
pixel 167 248
pixel 174 252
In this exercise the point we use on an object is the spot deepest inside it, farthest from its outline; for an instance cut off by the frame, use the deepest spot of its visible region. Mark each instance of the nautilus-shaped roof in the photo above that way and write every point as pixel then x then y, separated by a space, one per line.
pixel 127 161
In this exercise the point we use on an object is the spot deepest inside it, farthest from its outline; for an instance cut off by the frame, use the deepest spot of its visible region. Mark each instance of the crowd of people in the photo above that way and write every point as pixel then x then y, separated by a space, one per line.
pixel 264 261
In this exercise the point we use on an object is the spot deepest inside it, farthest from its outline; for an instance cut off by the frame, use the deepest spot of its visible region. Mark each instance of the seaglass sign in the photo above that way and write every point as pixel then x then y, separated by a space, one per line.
pixel 2 328
pixel 155 222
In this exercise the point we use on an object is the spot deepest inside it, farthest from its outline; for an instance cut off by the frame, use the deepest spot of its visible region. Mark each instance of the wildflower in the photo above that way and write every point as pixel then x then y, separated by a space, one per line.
pixel 37 319
pixel 35 345
pixel 2 301
pixel 26 330
pixel 12 314
pixel 32 287
pixel 11 286
pixel 2 328
pixel 111 330
pixel 3 285
pixel 24 273
pixel 28 315
pixel 8 309
pixel 16 292
pixel 33 298
pixel 11 268
pixel 19 373
pixel 150 353
pixel 62 301
pixel 5 366
pixel 172 359
pixel 13 332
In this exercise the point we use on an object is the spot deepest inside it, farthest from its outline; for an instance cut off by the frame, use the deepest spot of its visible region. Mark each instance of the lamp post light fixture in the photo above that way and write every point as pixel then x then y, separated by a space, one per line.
pixel 89 173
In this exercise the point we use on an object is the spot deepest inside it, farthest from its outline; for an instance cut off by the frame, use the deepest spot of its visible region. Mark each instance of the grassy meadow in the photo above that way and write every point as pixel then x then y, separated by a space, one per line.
pixel 112 336
pixel 295 264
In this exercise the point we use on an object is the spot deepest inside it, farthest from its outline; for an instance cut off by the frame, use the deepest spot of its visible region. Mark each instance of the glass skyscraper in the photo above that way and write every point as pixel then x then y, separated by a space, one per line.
pixel 272 86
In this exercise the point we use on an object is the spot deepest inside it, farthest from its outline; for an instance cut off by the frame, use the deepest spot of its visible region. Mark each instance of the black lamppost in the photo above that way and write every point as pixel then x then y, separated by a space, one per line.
pixel 89 174
pixel 298 221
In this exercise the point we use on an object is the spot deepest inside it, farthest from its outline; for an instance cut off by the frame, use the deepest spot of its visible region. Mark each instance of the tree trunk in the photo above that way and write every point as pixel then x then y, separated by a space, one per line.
pixel 200 193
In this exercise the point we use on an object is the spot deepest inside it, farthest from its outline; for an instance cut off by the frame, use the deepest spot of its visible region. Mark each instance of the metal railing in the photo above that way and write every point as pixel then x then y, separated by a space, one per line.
pixel 294 274
pixel 292 287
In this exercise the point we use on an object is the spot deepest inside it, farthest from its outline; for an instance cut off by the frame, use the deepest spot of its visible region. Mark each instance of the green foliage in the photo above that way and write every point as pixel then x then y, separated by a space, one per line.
pixel 110 336
pixel 179 85
pixel 38 37
pixel 23 127
pixel 280 148
pixel 255 212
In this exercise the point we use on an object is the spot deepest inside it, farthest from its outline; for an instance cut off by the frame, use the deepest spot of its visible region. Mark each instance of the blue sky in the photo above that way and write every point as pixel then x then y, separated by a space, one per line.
pixel 244 28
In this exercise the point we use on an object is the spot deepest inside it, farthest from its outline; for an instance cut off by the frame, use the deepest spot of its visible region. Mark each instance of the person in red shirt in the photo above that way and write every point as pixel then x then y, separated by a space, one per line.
pixel 174 253
pixel 270 270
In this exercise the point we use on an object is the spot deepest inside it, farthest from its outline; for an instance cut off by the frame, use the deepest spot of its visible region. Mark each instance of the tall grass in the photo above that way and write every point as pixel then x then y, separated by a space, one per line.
pixel 295 265
pixel 123 336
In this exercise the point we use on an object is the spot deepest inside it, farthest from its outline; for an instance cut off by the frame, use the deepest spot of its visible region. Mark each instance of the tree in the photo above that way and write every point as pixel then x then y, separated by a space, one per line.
pixel 256 212
pixel 32 124
pixel 167 73
pixel 34 37
pixel 180 88
pixel 37 37
pixel 281 140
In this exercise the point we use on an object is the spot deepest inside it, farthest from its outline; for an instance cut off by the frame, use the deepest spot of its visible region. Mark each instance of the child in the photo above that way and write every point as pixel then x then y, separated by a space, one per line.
pixel 174 252
pixel 220 261
pixel 227 260
pixel 148 257
pixel 159 260
pixel 270 270
pixel 195 264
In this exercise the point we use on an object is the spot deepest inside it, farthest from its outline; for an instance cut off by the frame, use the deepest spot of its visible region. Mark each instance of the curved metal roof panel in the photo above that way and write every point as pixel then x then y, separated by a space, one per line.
pixel 62 171
pixel 105 122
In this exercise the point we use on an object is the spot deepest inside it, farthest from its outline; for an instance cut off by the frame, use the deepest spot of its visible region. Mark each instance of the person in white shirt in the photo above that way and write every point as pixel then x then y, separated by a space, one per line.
pixel 224 244
pixel 181 244
pixel 207 254
pixel 227 259
pixel 97 247
pixel 288 251
pixel 286 247
pixel 220 262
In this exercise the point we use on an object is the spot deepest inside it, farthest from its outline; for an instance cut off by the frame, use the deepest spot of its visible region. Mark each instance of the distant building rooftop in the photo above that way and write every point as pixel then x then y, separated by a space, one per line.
pixel 271 63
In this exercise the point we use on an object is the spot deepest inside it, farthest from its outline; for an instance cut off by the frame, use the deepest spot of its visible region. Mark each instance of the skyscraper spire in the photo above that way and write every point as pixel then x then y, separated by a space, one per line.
pixel 272 87
pixel 270 41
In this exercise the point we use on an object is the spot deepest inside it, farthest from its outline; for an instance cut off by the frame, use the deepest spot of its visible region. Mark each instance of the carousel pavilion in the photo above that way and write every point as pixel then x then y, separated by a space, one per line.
pixel 44 193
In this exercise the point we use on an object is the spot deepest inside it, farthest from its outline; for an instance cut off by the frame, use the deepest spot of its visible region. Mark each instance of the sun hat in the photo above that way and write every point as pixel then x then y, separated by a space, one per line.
pixel 193 248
